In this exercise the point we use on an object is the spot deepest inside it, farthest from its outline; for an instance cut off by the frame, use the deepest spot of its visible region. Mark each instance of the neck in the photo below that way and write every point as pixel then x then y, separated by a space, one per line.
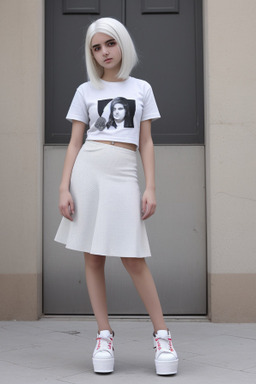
pixel 110 75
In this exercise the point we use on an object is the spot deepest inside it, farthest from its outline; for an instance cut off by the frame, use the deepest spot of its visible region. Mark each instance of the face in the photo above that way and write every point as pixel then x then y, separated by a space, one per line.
pixel 119 112
pixel 106 51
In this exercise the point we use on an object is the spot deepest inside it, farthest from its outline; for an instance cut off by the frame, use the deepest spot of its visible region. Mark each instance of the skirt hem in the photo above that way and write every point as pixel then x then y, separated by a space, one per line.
pixel 107 254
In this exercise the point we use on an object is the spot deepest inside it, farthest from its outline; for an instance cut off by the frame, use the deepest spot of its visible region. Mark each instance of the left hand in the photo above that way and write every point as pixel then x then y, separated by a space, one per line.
pixel 148 204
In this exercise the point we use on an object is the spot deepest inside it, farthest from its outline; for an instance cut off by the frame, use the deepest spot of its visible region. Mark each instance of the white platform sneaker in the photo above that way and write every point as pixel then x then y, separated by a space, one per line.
pixel 103 354
pixel 166 359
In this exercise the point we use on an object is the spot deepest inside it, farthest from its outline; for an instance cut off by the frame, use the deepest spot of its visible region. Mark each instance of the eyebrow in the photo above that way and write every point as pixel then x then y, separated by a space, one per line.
pixel 108 41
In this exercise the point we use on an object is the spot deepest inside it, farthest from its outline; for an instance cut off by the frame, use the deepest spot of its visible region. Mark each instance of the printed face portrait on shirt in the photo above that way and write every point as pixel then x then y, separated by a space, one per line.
pixel 116 113
pixel 119 112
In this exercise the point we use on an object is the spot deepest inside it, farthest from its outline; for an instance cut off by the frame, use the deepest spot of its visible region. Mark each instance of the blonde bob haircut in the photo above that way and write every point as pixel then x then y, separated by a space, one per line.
pixel 117 31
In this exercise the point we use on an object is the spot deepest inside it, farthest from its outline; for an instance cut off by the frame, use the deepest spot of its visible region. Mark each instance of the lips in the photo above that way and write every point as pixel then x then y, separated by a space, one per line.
pixel 107 60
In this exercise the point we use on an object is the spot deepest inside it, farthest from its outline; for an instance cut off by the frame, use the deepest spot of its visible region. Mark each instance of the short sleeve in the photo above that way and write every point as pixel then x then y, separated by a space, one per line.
pixel 78 110
pixel 150 109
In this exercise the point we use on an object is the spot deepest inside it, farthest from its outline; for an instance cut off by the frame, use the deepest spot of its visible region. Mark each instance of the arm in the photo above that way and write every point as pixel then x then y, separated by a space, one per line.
pixel 148 161
pixel 66 204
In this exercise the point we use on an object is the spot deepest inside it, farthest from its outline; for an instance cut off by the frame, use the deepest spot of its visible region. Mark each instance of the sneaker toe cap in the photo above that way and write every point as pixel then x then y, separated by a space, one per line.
pixel 102 355
pixel 167 356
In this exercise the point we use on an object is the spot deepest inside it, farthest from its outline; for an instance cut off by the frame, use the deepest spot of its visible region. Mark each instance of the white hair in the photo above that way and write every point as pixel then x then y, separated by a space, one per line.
pixel 117 30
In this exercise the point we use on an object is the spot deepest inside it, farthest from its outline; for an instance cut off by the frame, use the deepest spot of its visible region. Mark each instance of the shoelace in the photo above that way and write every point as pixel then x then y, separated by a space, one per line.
pixel 104 343
pixel 164 343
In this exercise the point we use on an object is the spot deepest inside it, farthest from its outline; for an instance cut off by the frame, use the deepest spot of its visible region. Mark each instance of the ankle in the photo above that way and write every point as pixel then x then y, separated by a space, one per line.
pixel 105 329
pixel 163 328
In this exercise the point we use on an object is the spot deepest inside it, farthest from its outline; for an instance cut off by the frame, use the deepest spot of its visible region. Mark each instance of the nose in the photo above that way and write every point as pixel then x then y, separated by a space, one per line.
pixel 105 51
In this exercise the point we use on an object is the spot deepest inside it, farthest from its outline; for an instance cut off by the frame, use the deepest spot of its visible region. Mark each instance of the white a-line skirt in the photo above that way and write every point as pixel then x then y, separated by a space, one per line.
pixel 105 190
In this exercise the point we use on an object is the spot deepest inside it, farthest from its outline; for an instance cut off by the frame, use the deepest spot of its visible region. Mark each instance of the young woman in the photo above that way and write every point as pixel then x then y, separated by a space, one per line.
pixel 103 214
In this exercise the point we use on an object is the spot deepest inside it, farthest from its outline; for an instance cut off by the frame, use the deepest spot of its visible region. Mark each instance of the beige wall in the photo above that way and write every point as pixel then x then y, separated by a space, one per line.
pixel 21 128
pixel 230 90
pixel 230 85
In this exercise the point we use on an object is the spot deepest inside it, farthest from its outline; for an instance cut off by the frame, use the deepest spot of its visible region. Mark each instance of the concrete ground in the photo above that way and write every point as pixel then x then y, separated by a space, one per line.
pixel 59 351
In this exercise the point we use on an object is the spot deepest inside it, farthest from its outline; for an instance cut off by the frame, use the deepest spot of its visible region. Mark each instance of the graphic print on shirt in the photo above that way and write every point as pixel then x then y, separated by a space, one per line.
pixel 115 113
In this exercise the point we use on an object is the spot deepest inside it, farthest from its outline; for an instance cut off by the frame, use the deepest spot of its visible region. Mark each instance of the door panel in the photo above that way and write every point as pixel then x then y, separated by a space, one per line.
pixel 176 233
pixel 170 49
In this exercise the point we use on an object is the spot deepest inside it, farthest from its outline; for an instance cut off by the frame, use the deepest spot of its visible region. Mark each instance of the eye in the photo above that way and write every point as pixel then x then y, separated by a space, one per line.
pixel 111 43
pixel 96 48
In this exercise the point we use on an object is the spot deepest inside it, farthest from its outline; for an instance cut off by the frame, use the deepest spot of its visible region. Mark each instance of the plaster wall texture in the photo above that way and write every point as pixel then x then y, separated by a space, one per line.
pixel 230 83
pixel 230 88
pixel 21 138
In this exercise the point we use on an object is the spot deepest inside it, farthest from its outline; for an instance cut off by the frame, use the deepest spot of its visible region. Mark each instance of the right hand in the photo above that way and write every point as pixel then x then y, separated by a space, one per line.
pixel 66 205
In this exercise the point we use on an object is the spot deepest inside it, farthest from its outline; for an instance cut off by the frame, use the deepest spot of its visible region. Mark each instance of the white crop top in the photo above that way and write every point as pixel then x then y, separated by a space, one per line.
pixel 114 112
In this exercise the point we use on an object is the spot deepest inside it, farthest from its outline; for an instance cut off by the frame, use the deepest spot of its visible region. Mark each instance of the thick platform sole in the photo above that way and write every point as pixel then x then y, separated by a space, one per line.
pixel 166 367
pixel 103 365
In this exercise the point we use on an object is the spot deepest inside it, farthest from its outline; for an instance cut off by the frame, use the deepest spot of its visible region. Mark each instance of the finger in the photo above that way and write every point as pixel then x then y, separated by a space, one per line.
pixel 153 209
pixel 149 212
pixel 144 205
pixel 145 212
pixel 143 208
pixel 67 214
pixel 72 207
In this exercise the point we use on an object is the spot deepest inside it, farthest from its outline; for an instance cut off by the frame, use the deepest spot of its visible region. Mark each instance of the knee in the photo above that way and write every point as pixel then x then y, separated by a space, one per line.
pixel 134 266
pixel 94 261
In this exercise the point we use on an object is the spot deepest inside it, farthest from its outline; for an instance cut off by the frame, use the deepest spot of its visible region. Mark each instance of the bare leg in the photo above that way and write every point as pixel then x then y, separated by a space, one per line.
pixel 144 283
pixel 95 280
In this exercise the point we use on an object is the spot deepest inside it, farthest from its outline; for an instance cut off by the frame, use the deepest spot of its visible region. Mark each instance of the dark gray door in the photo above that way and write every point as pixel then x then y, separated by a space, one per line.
pixel 168 37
